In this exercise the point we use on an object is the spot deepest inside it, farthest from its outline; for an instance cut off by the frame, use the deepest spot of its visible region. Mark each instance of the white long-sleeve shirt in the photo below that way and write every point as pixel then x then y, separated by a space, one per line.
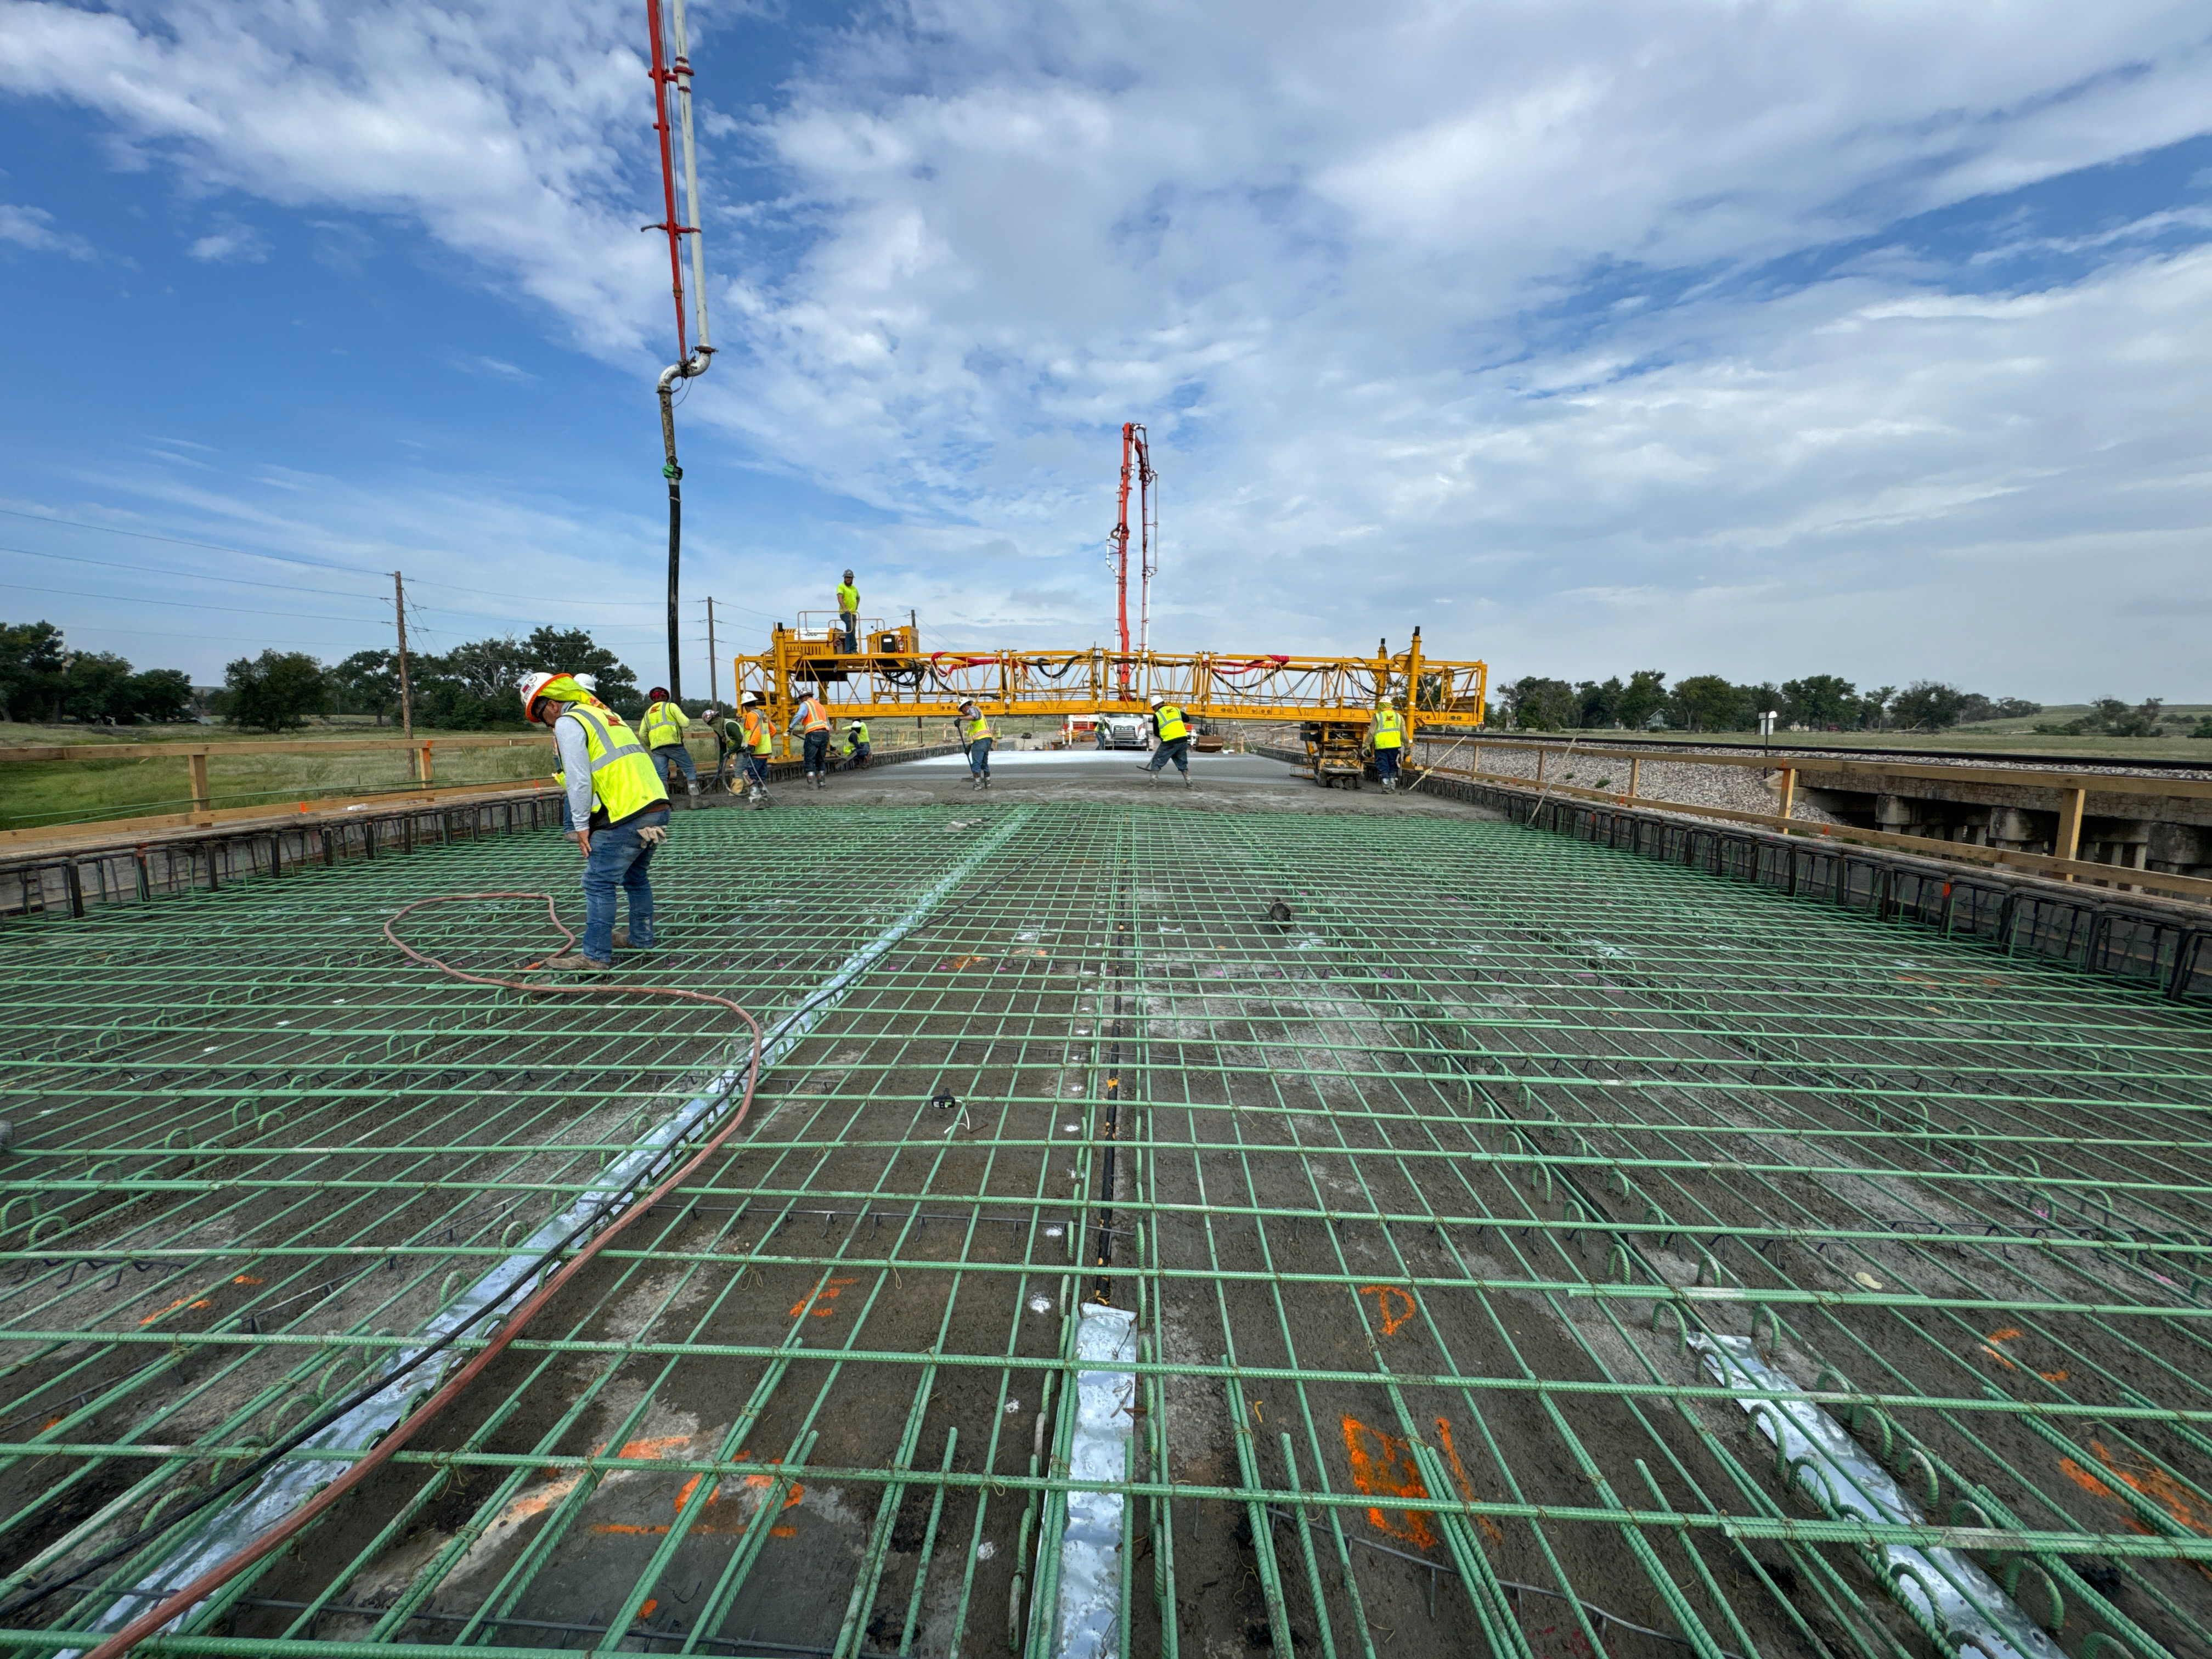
pixel 575 768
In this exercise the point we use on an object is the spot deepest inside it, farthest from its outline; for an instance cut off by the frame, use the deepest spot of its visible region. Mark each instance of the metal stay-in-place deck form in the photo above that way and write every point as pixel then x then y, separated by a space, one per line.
pixel 1417 1204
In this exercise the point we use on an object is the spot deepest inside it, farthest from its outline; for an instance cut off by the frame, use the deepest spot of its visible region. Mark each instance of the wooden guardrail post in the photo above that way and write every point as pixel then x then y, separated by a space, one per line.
pixel 1789 789
pixel 1635 776
pixel 2069 841
pixel 196 759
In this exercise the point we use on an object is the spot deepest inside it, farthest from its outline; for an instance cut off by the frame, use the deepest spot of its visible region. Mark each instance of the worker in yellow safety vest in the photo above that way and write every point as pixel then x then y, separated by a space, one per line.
pixel 976 737
pixel 811 719
pixel 1388 740
pixel 757 742
pixel 857 747
pixel 1173 730
pixel 618 803
pixel 663 729
pixel 848 612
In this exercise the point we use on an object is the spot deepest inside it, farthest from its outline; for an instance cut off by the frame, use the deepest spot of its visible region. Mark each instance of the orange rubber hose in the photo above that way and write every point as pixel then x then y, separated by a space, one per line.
pixel 285 1530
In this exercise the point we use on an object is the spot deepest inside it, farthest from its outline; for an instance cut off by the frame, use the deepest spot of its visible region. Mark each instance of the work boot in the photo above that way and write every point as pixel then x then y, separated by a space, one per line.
pixel 621 941
pixel 1150 775
pixel 575 962
pixel 986 779
pixel 1185 779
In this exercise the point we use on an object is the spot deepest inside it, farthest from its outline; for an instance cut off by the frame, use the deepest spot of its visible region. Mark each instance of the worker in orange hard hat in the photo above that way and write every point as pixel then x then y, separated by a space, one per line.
pixel 619 806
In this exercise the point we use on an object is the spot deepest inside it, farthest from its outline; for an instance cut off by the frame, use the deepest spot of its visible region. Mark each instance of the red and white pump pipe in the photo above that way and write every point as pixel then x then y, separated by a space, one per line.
pixel 672 79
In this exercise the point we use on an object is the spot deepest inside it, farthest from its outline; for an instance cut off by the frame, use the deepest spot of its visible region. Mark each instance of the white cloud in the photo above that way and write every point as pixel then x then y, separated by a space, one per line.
pixel 236 244
pixel 33 228
pixel 1336 258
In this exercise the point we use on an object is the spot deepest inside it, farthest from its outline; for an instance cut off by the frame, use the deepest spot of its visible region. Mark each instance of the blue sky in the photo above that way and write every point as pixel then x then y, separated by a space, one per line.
pixel 1759 339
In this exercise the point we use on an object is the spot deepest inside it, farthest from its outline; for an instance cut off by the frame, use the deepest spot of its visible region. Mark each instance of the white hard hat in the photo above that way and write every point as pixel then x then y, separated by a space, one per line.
pixel 532 685
pixel 751 700
pixel 1157 700
pixel 589 682
pixel 709 714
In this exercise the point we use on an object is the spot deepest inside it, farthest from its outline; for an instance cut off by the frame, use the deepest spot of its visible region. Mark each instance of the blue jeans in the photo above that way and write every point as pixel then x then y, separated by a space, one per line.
pixel 756 768
pixel 674 757
pixel 978 758
pixel 1386 764
pixel 619 860
pixel 1176 750
pixel 817 752
pixel 851 624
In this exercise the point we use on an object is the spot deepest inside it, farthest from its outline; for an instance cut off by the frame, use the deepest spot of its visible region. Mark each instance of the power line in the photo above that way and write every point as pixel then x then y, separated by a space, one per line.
pixel 184 575
pixel 188 604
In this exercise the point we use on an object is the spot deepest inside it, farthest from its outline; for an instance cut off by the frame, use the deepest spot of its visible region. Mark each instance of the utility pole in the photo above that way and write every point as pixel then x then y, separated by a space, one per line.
pixel 406 697
pixel 714 658
pixel 913 621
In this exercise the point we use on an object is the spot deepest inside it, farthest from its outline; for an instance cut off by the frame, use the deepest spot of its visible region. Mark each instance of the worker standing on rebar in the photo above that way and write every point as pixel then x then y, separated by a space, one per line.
pixel 1173 731
pixel 618 799
pixel 848 612
pixel 757 736
pixel 1388 740
pixel 975 736
pixel 663 729
pixel 811 719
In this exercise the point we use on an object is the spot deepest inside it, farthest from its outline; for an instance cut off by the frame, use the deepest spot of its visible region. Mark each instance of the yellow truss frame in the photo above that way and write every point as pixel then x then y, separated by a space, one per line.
pixel 896 680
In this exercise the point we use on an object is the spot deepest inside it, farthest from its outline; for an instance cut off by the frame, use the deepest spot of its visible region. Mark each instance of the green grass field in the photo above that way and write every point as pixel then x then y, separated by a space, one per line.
pixel 35 793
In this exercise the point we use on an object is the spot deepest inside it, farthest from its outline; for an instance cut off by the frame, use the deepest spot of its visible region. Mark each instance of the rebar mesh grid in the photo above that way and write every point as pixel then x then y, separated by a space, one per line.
pixel 1426 1152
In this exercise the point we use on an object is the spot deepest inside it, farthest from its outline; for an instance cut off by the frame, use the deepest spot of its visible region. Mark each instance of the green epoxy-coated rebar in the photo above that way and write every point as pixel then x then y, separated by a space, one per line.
pixel 1416 1198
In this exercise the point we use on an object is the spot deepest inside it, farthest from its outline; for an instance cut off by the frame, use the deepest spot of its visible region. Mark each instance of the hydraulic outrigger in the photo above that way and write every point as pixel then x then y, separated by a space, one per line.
pixel 1331 698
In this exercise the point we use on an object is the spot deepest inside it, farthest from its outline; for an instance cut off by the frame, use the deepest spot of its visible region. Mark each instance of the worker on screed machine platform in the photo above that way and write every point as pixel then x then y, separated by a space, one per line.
pixel 757 741
pixel 619 804
pixel 663 728
pixel 976 737
pixel 848 612
pixel 811 719
pixel 1387 740
pixel 1174 733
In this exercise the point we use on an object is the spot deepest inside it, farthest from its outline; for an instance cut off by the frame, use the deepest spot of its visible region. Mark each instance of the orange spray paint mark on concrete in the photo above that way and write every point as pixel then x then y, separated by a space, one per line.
pixel 1490 1528
pixel 1383 1293
pixel 180 1302
pixel 2178 1501
pixel 824 1296
pixel 651 1602
pixel 1383 1466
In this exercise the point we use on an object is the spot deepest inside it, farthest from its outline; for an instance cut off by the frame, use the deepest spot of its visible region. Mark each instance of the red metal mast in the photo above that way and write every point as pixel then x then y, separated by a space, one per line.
pixel 1137 464
pixel 664 79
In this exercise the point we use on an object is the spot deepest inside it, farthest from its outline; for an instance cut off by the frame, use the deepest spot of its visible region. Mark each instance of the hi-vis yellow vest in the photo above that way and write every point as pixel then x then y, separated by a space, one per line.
pixel 760 736
pixel 624 779
pixel 979 728
pixel 664 725
pixel 1171 723
pixel 857 733
pixel 1389 728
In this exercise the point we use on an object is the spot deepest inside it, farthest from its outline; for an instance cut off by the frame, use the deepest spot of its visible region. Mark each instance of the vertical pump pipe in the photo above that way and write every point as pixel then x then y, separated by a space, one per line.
pixel 674 77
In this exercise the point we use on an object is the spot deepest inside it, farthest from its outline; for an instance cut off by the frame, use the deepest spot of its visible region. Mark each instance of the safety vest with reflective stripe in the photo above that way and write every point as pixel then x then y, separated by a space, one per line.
pixel 664 725
pixel 624 781
pixel 857 733
pixel 1389 728
pixel 848 597
pixel 978 727
pixel 1171 722
pixel 812 716
pixel 760 736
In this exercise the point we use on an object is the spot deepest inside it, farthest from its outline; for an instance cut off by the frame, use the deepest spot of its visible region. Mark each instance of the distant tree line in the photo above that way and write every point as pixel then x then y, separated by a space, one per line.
pixel 1710 702
pixel 471 687
pixel 42 679
pixel 2112 717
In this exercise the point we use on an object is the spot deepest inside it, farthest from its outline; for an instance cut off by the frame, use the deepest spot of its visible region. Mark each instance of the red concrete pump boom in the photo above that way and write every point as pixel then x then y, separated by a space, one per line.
pixel 1137 463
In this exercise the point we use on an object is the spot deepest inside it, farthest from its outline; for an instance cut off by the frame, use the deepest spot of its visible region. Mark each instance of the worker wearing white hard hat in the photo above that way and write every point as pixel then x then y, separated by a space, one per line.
pixel 618 805
pixel 757 742
pixel 1173 730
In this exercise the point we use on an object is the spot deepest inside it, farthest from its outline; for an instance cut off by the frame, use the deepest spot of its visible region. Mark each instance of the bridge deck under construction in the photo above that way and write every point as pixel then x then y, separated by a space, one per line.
pixel 1158 1230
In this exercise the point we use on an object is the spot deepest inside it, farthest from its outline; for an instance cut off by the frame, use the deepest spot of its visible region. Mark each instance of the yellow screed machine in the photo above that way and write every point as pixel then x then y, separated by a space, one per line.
pixel 1331 698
